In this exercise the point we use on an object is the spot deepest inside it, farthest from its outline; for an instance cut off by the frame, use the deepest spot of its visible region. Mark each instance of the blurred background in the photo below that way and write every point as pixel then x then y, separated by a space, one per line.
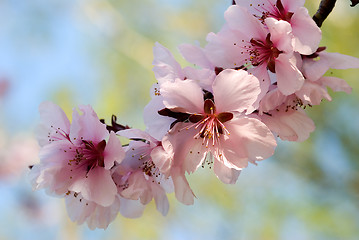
pixel 99 52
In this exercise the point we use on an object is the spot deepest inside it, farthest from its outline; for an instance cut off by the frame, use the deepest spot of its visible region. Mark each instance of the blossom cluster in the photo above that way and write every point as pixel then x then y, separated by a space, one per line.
pixel 250 86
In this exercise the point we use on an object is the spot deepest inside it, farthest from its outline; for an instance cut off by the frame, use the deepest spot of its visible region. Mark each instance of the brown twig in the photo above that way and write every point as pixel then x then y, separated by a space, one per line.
pixel 233 2
pixel 325 7
pixel 354 2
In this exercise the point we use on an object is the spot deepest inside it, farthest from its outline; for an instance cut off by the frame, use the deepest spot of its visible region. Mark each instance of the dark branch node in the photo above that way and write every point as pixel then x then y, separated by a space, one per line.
pixel 114 125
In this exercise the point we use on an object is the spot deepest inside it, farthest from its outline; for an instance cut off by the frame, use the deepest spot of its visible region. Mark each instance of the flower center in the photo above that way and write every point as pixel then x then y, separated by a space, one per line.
pixel 276 11
pixel 263 52
pixel 210 124
pixel 89 155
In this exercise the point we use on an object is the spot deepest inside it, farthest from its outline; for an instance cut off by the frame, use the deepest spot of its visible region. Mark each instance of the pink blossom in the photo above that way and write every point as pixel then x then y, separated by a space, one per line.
pixel 306 34
pixel 144 178
pixel 215 125
pixel 245 42
pixel 77 157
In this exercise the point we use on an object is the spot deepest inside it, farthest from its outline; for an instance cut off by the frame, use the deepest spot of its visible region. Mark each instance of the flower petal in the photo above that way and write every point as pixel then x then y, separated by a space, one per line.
pixel 225 174
pixel 291 125
pixel 166 68
pixel 113 151
pixel 240 19
pixel 195 54
pixel 183 191
pixel 312 93
pixel 182 96
pixel 131 208
pixel 289 78
pixel 307 33
pixel 336 84
pixel 253 140
pixel 156 125
pixel 97 187
pixel 54 123
pixel 235 90
pixel 82 124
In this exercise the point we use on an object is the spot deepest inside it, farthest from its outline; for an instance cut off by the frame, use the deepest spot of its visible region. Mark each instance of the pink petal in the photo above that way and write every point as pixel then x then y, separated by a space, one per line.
pixel 256 7
pixel 156 125
pixel 339 61
pixel 272 100
pixel 292 6
pixel 166 68
pixel 113 151
pixel 291 125
pixel 87 125
pixel 280 34
pixel 315 69
pixel 137 185
pixel 256 141
pixel 97 187
pixel 312 93
pixel 183 96
pixel 204 77
pixel 195 55
pixel 225 48
pixel 289 78
pixel 77 210
pixel 307 33
pixel 131 208
pixel 161 199
pixel 54 122
pixel 183 191
pixel 261 73
pixel 240 19
pixel 103 216
pixel 235 90
pixel 336 84
pixel 162 159
pixel 225 174
pixel 189 152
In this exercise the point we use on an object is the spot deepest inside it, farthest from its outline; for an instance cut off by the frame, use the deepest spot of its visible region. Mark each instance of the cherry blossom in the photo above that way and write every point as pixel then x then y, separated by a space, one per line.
pixel 306 34
pixel 245 42
pixel 78 156
pixel 216 125
pixel 144 178
pixel 254 79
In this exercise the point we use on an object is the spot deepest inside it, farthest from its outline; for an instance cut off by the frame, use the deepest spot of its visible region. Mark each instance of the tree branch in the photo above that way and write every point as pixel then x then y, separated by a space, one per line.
pixel 234 3
pixel 325 7
pixel 354 2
